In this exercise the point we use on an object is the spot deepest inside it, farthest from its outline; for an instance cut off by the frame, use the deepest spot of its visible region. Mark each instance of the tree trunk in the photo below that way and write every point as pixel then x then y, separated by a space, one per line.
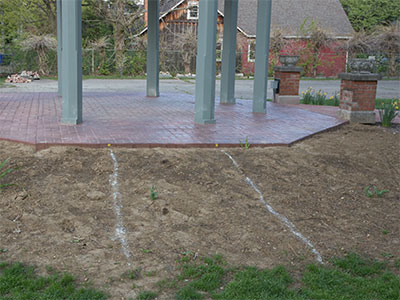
pixel 119 38
pixel 119 46
pixel 187 68
pixel 315 64
pixel 392 64
pixel 186 62
pixel 42 62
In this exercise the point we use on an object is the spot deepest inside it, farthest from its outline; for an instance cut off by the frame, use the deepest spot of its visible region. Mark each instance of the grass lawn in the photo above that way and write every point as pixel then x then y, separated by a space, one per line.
pixel 350 277
pixel 20 282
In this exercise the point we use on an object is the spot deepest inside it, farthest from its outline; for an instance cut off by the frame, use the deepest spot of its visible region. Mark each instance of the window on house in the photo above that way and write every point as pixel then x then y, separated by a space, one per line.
pixel 251 54
pixel 193 11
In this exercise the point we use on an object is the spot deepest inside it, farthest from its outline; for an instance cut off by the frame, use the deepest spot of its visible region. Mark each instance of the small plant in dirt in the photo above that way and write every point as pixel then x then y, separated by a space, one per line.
pixel 132 274
pixel 397 264
pixel 150 273
pixel 3 173
pixel 186 257
pixel 153 193
pixel 246 144
pixel 164 284
pixel 146 295
pixel 146 251
pixel 372 190
pixel 387 255
pixel 388 112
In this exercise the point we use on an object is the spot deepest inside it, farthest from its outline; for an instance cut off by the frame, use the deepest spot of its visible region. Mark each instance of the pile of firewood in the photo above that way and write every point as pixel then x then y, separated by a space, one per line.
pixel 23 77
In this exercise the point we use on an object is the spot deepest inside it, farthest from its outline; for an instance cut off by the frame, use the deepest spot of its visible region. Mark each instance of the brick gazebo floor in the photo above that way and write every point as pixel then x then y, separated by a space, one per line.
pixel 133 120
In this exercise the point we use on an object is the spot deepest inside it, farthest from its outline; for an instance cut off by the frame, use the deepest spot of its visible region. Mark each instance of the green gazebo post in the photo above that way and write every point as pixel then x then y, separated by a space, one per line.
pixel 69 22
pixel 206 62
pixel 59 46
pixel 262 53
pixel 229 52
pixel 153 60
pixel 71 26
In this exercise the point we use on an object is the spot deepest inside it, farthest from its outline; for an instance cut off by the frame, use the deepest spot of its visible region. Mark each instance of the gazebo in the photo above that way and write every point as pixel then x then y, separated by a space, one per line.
pixel 69 28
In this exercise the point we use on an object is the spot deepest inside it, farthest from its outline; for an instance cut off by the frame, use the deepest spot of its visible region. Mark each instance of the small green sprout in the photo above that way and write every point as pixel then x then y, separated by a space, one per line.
pixel 246 144
pixel 153 193
pixel 372 190
pixel 4 172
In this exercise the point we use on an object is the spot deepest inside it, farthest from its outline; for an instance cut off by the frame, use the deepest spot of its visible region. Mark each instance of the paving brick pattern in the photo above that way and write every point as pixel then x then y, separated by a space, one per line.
pixel 133 120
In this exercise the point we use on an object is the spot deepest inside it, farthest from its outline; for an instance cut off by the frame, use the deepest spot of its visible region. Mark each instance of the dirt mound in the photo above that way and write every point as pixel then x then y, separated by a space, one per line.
pixel 61 211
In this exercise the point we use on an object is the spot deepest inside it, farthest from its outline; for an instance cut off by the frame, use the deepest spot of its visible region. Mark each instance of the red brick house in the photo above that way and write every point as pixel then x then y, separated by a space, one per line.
pixel 288 16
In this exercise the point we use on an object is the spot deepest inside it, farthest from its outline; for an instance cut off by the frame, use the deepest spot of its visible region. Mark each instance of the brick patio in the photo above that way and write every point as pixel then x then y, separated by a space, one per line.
pixel 133 120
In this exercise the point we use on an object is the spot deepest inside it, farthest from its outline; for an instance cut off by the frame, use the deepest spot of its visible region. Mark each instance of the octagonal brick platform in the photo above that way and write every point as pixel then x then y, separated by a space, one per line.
pixel 133 120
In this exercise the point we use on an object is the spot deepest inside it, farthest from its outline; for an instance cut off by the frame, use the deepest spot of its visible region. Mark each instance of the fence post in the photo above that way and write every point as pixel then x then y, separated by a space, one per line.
pixel 92 61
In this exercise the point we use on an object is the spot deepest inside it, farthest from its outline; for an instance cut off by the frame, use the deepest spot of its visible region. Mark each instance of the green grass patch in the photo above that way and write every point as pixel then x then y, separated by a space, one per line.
pixel 20 282
pixel 132 274
pixel 146 295
pixel 358 266
pixel 397 264
pixel 252 283
pixel 352 278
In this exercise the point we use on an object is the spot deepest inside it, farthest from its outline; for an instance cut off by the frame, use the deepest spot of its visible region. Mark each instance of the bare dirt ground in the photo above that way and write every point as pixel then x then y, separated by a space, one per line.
pixel 61 214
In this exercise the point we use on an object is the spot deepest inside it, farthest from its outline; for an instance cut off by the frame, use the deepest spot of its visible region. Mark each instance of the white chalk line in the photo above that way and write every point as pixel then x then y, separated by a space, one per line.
pixel 120 230
pixel 282 218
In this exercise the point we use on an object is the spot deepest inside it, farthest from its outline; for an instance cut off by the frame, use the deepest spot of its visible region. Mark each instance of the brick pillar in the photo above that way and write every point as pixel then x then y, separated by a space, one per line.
pixel 289 84
pixel 357 97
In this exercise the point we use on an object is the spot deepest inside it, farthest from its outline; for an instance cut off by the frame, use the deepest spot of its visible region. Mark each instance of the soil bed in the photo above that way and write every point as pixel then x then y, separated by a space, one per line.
pixel 61 212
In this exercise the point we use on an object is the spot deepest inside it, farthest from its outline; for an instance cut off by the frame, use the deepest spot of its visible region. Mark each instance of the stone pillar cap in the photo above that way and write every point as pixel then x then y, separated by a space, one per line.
pixel 360 76
pixel 289 69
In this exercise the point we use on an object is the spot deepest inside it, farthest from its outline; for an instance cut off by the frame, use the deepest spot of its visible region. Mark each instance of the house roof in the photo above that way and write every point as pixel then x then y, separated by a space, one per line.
pixel 167 5
pixel 287 15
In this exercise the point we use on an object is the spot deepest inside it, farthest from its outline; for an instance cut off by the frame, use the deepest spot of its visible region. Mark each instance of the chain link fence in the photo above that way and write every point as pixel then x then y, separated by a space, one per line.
pixel 102 63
